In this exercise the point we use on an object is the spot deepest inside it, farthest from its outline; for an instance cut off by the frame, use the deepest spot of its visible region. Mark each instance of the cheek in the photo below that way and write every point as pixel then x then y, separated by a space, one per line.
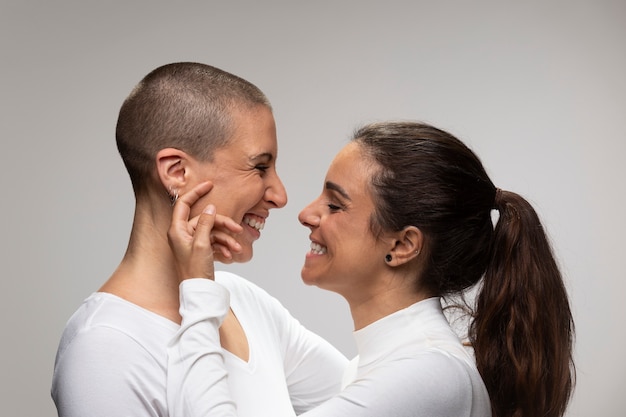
pixel 247 198
pixel 233 205
pixel 258 193
pixel 217 197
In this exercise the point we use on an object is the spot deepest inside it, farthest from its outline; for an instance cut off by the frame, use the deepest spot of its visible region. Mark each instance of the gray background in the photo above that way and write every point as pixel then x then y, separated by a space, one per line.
pixel 537 88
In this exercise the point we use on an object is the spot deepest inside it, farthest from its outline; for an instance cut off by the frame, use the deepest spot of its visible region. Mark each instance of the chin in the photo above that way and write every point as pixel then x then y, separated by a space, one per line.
pixel 243 257
pixel 236 258
pixel 306 279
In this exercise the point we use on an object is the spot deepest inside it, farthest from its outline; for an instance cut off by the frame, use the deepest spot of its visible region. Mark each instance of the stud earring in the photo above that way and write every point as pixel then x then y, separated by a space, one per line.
pixel 388 257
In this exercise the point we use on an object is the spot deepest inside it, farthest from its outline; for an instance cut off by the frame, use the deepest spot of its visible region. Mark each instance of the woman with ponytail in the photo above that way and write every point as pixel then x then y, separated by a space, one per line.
pixel 403 225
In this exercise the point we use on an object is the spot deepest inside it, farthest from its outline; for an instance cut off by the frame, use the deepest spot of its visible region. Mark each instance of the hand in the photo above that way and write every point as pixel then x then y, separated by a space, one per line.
pixel 194 241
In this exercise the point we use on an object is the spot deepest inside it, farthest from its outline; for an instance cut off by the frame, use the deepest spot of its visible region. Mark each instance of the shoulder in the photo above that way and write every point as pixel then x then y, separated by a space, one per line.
pixel 117 347
pixel 452 383
pixel 439 366
pixel 101 365
pixel 433 379
pixel 107 325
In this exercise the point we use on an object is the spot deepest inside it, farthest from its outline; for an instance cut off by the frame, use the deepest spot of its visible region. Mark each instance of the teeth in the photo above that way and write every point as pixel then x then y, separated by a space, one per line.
pixel 317 249
pixel 257 224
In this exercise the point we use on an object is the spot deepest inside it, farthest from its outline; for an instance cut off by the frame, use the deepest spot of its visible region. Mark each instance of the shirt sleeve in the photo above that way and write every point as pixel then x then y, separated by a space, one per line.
pixel 105 373
pixel 313 367
pixel 427 385
pixel 197 382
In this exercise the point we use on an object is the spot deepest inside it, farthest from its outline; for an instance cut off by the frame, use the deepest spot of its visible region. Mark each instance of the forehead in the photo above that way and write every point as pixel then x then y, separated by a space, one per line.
pixel 352 169
pixel 254 133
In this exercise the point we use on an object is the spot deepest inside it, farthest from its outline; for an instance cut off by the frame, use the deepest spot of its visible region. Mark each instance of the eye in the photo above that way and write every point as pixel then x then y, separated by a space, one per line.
pixel 262 168
pixel 333 207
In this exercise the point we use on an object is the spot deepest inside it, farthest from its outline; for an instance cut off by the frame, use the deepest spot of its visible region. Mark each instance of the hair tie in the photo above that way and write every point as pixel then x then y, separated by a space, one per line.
pixel 497 201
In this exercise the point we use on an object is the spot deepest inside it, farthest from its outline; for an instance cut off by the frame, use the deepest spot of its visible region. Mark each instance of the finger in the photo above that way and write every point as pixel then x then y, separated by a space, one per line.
pixel 202 234
pixel 180 215
pixel 196 193
pixel 221 254
pixel 225 222
pixel 179 226
pixel 221 231
pixel 192 224
pixel 221 222
pixel 199 262
pixel 225 240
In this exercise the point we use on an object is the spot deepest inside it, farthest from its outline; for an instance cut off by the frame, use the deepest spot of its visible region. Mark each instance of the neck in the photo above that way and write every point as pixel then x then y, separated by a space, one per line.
pixel 146 276
pixel 382 301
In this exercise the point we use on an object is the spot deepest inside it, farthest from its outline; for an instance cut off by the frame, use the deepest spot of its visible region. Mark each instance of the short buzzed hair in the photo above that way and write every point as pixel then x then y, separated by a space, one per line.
pixel 185 105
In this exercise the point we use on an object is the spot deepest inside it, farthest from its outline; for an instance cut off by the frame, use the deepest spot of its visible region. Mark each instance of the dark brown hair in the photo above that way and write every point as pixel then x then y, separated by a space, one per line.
pixel 184 105
pixel 522 328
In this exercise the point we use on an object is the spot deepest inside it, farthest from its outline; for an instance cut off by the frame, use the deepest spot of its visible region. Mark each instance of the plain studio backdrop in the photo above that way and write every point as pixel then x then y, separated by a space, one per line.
pixel 536 88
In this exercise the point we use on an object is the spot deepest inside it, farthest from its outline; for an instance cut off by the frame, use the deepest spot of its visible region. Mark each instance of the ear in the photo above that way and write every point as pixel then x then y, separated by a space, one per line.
pixel 408 245
pixel 172 168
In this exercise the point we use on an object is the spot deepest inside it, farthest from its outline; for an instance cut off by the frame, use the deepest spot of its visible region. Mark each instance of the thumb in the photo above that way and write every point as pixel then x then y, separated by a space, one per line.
pixel 202 234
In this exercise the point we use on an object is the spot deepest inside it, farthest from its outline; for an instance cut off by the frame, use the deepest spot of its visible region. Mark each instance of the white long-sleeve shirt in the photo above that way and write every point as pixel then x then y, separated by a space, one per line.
pixel 410 364
pixel 112 359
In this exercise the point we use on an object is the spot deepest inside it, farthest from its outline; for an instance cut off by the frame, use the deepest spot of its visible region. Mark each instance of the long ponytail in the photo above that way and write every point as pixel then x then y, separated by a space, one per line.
pixel 522 332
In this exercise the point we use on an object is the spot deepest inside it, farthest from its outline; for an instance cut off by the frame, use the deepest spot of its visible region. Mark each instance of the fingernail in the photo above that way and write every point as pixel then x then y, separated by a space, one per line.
pixel 210 209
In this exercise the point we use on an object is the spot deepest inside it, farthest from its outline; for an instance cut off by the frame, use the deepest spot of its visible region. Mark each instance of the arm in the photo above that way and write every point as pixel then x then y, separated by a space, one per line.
pixel 313 367
pixel 314 376
pixel 431 384
pixel 196 378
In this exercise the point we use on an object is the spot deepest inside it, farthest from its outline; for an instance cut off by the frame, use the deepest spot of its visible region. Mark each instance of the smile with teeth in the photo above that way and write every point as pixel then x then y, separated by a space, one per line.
pixel 317 249
pixel 256 223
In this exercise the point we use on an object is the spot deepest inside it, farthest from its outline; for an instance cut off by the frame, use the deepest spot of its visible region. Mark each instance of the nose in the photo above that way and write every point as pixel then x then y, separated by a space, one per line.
pixel 308 217
pixel 276 193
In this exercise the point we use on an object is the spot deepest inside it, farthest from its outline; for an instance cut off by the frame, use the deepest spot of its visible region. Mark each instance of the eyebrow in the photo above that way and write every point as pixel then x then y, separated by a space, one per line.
pixel 265 155
pixel 334 187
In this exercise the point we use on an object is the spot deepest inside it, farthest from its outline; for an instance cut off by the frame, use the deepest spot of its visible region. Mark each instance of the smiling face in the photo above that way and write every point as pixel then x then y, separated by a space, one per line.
pixel 345 255
pixel 245 182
